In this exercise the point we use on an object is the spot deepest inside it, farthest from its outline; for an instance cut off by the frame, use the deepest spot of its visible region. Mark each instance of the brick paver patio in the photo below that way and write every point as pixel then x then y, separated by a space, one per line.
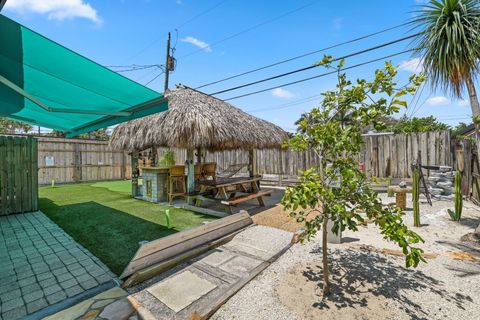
pixel 41 265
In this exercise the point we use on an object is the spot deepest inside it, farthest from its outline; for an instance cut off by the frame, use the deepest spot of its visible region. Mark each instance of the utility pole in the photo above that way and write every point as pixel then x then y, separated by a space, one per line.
pixel 167 65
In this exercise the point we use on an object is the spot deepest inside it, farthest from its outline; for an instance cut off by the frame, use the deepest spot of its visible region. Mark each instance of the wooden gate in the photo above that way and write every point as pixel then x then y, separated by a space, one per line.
pixel 18 175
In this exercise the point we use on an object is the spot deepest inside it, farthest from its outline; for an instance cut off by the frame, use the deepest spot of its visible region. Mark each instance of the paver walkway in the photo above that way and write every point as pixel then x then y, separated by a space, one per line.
pixel 41 266
pixel 198 287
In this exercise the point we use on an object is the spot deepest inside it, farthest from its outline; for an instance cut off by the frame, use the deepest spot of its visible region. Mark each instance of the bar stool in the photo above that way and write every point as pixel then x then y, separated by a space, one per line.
pixel 176 182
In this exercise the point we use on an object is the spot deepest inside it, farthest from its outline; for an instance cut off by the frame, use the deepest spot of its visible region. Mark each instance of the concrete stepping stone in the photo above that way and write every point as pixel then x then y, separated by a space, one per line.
pixel 198 287
pixel 181 290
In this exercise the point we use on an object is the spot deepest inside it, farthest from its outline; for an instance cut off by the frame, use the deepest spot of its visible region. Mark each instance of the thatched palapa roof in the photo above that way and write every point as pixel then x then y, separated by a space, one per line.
pixel 197 120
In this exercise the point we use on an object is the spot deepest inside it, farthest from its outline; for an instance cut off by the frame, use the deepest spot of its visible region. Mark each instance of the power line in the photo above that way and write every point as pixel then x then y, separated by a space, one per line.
pixel 133 65
pixel 154 78
pixel 415 100
pixel 148 46
pixel 302 55
pixel 316 65
pixel 287 105
pixel 251 28
pixel 139 69
pixel 200 14
pixel 319 76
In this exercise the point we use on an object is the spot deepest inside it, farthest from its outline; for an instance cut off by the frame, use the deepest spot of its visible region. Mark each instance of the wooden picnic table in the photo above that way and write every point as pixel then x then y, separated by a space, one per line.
pixel 225 189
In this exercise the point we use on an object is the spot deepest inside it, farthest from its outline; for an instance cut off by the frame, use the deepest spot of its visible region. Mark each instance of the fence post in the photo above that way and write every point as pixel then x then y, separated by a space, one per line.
pixel 77 169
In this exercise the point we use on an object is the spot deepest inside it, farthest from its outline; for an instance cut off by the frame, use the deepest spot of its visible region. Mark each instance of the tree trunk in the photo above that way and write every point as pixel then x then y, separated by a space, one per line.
pixel 472 93
pixel 326 281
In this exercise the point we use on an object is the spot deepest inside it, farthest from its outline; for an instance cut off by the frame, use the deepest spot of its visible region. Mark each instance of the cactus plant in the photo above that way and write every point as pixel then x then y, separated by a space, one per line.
pixel 416 198
pixel 457 214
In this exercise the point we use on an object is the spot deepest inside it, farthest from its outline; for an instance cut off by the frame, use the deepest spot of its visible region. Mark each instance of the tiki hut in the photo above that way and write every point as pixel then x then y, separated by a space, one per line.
pixel 195 120
pixel 198 121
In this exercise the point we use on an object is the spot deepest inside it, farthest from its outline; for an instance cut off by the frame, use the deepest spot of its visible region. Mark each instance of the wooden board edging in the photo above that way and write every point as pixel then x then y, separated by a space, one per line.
pixel 205 312
pixel 163 266
pixel 165 248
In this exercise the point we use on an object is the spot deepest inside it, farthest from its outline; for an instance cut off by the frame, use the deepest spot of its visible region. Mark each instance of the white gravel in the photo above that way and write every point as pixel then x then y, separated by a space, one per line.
pixel 368 285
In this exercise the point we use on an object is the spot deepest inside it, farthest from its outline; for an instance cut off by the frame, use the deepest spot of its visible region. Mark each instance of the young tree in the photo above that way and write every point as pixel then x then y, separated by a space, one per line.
pixel 11 126
pixel 336 191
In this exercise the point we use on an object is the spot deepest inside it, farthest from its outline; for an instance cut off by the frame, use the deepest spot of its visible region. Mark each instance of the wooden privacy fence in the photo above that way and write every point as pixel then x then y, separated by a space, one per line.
pixel 466 160
pixel 18 175
pixel 75 160
pixel 384 156
pixel 392 155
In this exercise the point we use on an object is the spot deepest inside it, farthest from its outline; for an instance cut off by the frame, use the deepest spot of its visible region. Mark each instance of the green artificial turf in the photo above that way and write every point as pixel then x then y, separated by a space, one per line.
pixel 106 220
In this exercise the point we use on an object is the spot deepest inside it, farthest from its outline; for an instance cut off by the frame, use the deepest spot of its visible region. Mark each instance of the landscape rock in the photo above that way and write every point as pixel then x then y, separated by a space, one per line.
pixel 441 183
pixel 444 184
pixel 436 191
pixel 119 310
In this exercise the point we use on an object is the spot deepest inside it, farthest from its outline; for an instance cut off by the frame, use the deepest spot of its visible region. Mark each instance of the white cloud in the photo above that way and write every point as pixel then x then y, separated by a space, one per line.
pixel 437 101
pixel 412 65
pixel 463 103
pixel 197 43
pixel 337 24
pixel 281 93
pixel 55 9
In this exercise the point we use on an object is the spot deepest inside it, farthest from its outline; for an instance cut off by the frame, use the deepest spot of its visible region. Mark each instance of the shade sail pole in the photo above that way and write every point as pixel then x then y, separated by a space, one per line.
pixel 22 92
pixel 94 124
pixel 28 96
pixel 31 121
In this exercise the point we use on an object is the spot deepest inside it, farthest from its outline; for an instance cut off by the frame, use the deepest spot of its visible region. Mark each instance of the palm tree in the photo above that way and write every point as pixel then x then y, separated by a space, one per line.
pixel 449 45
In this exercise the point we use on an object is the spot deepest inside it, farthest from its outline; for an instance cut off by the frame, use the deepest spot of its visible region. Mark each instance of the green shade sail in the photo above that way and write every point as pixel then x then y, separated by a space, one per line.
pixel 46 84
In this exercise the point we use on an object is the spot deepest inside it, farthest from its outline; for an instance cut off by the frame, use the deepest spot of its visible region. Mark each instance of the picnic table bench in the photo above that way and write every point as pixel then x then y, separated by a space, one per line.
pixel 225 189
pixel 258 195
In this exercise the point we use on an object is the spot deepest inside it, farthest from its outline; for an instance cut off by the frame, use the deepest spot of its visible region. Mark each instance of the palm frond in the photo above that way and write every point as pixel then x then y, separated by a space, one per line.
pixel 449 41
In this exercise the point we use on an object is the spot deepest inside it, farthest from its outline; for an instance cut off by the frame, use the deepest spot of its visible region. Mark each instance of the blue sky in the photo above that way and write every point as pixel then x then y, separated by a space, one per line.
pixel 126 32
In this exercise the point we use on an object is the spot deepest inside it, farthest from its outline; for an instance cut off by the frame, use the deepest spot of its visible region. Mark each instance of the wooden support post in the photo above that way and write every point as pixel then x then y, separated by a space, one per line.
pixel 252 163
pixel 459 156
pixel 135 173
pixel 123 169
pixel 416 195
pixel 191 173
pixel 199 155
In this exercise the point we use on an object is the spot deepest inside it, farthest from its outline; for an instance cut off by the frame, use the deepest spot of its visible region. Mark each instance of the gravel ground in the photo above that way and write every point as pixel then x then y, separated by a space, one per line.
pixel 371 285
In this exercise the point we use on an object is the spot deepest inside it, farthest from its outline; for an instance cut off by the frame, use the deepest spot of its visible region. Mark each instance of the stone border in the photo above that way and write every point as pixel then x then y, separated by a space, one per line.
pixel 69 302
